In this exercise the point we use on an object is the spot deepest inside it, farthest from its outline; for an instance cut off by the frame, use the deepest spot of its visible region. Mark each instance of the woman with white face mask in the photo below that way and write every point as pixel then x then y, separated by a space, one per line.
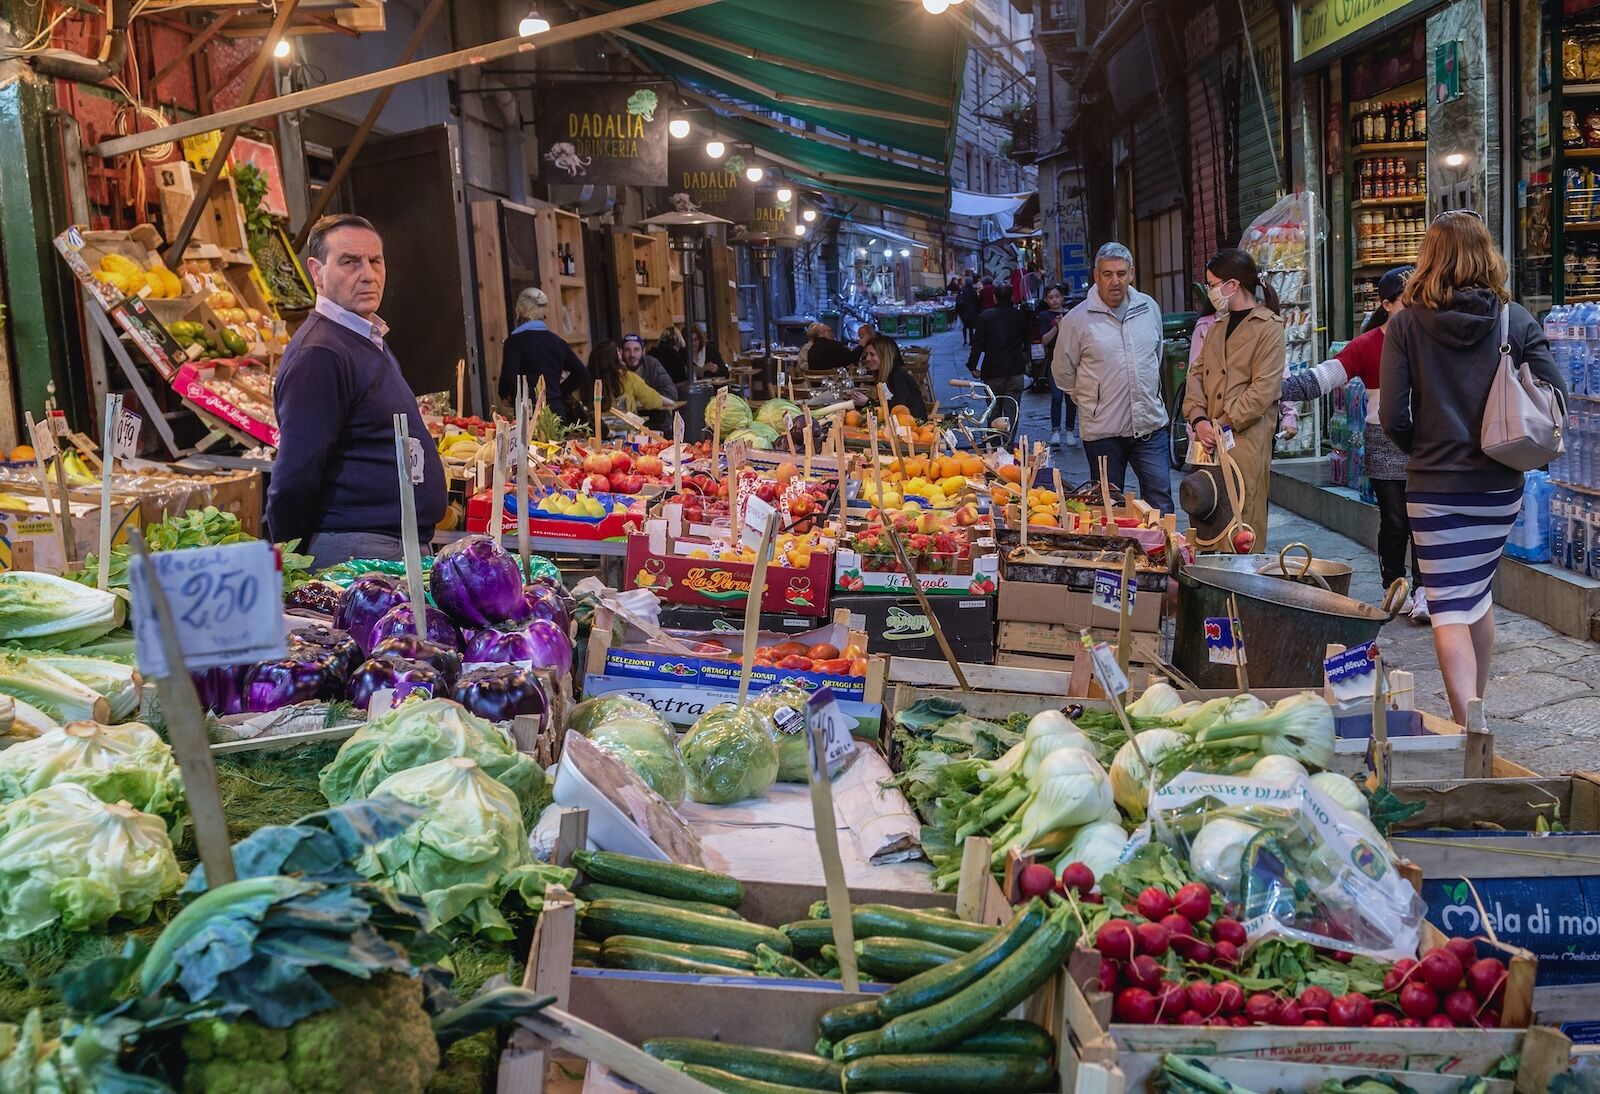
pixel 1232 394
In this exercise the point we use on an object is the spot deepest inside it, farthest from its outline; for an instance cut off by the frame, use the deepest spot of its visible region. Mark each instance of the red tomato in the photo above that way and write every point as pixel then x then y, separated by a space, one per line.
pixel 822 651
pixel 796 663
pixel 790 649
pixel 837 666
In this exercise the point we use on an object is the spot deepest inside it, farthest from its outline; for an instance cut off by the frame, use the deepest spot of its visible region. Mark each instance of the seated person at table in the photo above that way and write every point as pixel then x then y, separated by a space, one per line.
pixel 647 367
pixel 882 355
pixel 703 356
pixel 865 333
pixel 622 388
pixel 670 352
pixel 827 353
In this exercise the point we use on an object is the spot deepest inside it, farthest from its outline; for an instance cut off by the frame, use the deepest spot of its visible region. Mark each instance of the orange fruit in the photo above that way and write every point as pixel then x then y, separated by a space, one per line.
pixel 971 466
pixel 1044 520
pixel 1010 473
pixel 901 411
pixel 852 417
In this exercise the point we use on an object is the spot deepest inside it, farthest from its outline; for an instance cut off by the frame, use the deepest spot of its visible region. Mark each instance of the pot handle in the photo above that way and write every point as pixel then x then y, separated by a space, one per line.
pixel 1394 596
pixel 1305 568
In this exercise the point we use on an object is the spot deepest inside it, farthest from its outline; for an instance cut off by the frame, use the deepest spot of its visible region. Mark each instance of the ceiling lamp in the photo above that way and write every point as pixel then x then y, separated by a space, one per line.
pixel 809 215
pixel 785 195
pixel 755 174
pixel 532 23
pixel 799 229
pixel 936 7
pixel 716 149
pixel 678 127
pixel 281 50
pixel 888 252
pixel 905 253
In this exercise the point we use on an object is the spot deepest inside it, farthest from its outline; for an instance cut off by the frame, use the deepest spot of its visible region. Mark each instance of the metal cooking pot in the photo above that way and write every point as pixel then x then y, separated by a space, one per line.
pixel 1317 572
pixel 1287 625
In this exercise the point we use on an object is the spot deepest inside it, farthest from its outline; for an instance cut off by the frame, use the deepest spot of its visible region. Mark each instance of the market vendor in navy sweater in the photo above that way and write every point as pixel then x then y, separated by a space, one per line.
pixel 334 486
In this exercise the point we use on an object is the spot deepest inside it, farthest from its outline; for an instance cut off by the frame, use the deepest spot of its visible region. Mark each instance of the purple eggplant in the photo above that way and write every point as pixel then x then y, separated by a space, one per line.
pixel 301 677
pixel 564 597
pixel 408 647
pixel 491 646
pixel 319 636
pixel 221 689
pixel 501 692
pixel 366 601
pixel 321 597
pixel 477 582
pixel 392 672
pixel 544 602
pixel 399 620
pixel 552 648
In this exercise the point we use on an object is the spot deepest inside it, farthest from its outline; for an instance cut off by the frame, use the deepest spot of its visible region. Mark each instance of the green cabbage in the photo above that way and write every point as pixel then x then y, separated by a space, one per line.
pixel 419 731
pixel 647 744
pixel 126 763
pixel 778 414
pixel 591 712
pixel 730 755
pixel 784 705
pixel 48 612
pixel 457 858
pixel 66 855
pixel 732 411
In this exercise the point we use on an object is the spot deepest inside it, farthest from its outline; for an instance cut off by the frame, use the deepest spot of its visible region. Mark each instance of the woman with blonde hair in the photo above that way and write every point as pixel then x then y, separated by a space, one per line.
pixel 533 351
pixel 1440 357
pixel 882 356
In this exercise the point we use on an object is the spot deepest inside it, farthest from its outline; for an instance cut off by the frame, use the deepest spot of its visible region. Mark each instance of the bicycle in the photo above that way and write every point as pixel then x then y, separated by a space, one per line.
pixel 979 425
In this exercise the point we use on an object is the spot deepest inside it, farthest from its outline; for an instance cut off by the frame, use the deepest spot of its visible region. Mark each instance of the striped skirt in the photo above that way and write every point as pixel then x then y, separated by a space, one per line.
pixel 1459 540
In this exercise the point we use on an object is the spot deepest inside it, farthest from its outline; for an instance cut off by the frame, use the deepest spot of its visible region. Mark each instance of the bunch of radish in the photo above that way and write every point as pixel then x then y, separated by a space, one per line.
pixel 1449 986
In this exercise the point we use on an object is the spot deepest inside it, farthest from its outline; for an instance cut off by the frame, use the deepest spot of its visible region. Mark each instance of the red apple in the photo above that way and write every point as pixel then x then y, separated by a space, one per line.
pixel 597 463
pixel 620 461
pixel 650 465
pixel 598 484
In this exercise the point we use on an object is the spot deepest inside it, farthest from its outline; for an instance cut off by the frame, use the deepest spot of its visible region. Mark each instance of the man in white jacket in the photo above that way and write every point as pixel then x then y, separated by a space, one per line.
pixel 1108 358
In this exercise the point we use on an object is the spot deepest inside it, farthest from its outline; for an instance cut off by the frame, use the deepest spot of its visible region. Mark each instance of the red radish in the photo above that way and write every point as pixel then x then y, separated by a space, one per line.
pixel 1230 997
pixel 1465 950
pixel 1219 1022
pixel 1399 974
pixel 1191 1018
pixel 1486 978
pixel 1225 954
pixel 1238 1021
pixel 1352 1009
pixel 1439 1021
pixel 1489 1019
pixel 1193 901
pixel 1134 1005
pixel 1036 879
pixel 1143 972
pixel 1315 1000
pixel 1172 998
pixel 1152 938
pixel 1385 1020
pixel 1315 1022
pixel 1115 939
pixel 1461 1007
pixel 1192 949
pixel 1153 904
pixel 1410 1023
pixel 1440 968
pixel 1110 971
pixel 1229 930
pixel 1344 957
pixel 1078 878
pixel 1291 1015
pixel 1177 926
pixel 1262 1008
pixel 1094 898
pixel 1204 997
pixel 1418 1001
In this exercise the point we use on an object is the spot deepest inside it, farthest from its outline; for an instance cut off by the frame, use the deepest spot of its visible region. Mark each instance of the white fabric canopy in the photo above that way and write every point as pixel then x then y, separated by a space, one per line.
pixel 964 203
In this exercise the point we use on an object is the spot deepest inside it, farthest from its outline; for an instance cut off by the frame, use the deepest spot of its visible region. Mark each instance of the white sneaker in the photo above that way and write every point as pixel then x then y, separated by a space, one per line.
pixel 1055 439
pixel 1407 605
pixel 1419 611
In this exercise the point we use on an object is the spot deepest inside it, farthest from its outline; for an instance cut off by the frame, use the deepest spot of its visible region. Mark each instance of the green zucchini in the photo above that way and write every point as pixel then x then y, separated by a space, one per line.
pixel 718 1079
pixel 1009 1037
pixel 767 1064
pixel 978 1004
pixel 769 962
pixel 896 959
pixel 948 1073
pixel 626 957
pixel 586 948
pixel 819 910
pixel 866 1043
pixel 880 920
pixel 596 891
pixel 604 918
pixel 711 955
pixel 847 1018
pixel 935 985
pixel 824 1048
pixel 668 879
pixel 809 935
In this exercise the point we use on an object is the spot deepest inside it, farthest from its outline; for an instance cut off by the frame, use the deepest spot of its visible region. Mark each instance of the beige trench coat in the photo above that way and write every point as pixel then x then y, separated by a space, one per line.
pixel 1236 383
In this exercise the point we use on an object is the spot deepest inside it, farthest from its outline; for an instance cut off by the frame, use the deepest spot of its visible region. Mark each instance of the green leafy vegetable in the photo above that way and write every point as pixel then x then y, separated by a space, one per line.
pixel 730 755
pixel 42 610
pixel 127 763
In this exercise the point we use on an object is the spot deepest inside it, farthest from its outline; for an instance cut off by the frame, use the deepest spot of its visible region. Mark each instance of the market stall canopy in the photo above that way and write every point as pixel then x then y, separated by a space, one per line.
pixel 1009 211
pixel 879 231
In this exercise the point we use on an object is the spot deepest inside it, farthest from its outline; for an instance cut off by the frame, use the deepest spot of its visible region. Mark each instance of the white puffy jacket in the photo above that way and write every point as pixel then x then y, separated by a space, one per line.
pixel 1112 367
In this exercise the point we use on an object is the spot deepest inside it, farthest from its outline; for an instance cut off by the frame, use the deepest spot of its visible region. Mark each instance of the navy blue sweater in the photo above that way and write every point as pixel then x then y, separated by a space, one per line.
pixel 336 396
pixel 536 353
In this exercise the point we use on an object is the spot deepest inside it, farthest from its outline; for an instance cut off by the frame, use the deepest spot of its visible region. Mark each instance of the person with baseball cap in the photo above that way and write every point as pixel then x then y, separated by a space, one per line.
pixel 649 369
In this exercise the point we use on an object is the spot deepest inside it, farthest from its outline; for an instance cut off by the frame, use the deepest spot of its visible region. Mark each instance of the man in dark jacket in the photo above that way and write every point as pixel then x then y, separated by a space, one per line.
pixel 986 294
pixel 334 484
pixel 967 309
pixel 1002 340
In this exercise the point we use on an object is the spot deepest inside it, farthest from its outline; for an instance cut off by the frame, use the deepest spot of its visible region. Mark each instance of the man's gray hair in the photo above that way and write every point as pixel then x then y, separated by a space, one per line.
pixel 1114 251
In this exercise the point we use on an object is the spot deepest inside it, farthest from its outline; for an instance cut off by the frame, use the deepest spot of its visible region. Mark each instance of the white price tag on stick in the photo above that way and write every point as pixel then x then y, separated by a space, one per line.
pixel 822 709
pixel 44 440
pixel 125 437
pixel 1103 657
pixel 415 461
pixel 226 603
pixel 756 514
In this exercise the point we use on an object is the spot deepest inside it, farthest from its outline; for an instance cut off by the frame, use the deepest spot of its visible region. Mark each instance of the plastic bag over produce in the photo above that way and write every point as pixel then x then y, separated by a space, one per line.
pixel 730 754
pixel 346 572
pixel 1301 866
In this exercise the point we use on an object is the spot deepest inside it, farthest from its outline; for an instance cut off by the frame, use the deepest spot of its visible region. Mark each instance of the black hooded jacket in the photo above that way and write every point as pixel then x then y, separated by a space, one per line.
pixel 1437 368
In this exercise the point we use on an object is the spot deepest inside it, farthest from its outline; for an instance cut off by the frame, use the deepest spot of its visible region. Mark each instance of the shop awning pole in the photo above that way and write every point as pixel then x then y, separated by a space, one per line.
pixel 326 194
pixel 376 81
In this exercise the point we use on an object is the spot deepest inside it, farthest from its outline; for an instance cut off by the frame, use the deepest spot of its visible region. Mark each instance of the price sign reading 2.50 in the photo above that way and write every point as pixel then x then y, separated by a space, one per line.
pixel 226 605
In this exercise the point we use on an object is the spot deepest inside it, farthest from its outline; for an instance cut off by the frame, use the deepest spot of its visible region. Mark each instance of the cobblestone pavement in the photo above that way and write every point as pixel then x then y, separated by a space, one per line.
pixel 1543 701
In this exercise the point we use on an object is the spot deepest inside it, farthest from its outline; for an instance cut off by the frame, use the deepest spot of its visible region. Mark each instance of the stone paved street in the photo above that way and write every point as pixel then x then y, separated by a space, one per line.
pixel 1544 697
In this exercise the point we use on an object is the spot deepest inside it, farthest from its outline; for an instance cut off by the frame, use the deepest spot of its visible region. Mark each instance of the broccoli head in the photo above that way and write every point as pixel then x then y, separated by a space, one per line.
pixel 378 1039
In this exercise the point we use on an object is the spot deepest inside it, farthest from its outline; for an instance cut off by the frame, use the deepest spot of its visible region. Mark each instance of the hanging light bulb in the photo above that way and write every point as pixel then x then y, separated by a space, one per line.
pixel 936 7
pixel 799 229
pixel 755 174
pixel 716 149
pixel 281 50
pixel 532 23
pixel 678 127
pixel 809 215
pixel 905 253
pixel 785 195
pixel 888 252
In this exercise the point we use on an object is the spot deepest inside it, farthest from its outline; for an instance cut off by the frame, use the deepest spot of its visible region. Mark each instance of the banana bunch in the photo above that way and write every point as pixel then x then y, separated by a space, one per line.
pixel 464 448
pixel 126 275
pixel 78 472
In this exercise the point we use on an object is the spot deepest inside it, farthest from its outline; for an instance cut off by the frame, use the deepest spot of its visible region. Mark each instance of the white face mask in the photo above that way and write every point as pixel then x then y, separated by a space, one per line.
pixel 1219 299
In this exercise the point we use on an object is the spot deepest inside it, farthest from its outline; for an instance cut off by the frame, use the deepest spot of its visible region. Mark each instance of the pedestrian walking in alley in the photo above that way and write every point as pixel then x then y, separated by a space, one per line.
pixel 986 294
pixel 1386 464
pixel 1440 356
pixel 1233 391
pixel 1108 360
pixel 1002 342
pixel 967 309
pixel 1063 411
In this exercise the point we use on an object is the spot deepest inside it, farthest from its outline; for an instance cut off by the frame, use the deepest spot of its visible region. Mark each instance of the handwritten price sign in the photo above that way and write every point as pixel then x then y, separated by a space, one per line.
pixel 125 437
pixel 822 709
pixel 226 604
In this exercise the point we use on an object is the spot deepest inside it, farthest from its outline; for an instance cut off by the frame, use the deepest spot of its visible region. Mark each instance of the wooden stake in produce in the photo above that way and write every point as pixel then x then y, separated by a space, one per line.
pixel 1105 493
pixel 877 466
pixel 411 550
pixel 677 452
pixel 810 446
pixel 1241 670
pixel 1125 611
pixel 497 509
pixel 62 518
pixel 599 434
pixel 718 403
pixel 889 424
pixel 1382 761
pixel 107 442
pixel 836 435
pixel 461 387
pixel 186 729
pixel 826 827
pixel 524 499
pixel 1063 514
pixel 752 608
pixel 927 608
pixel 1022 503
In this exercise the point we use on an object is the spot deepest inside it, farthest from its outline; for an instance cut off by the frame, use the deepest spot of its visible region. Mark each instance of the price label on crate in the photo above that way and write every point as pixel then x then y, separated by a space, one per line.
pixel 756 515
pixel 1108 591
pixel 1222 641
pixel 952 440
pixel 1103 658
pixel 226 604
pixel 415 460
pixel 1353 674
pixel 44 440
pixel 125 435
pixel 822 709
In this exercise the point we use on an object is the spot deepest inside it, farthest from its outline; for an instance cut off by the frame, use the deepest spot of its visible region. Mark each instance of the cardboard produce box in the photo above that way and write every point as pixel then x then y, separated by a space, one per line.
pixel 671 567
pixel 896 625
pixel 28 536
pixel 1060 605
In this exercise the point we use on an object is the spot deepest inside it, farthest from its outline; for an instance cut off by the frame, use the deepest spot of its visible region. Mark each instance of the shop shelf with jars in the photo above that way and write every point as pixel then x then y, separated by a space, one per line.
pixel 1384 148
pixel 1368 203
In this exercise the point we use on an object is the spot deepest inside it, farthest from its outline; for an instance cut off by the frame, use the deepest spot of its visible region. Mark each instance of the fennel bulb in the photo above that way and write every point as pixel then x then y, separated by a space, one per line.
pixel 1130 777
pixel 1277 769
pixel 1217 853
pixel 1158 699
pixel 1098 846
pixel 1343 791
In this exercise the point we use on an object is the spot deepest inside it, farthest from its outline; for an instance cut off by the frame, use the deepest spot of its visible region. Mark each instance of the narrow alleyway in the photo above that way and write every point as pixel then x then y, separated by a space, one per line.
pixel 1544 699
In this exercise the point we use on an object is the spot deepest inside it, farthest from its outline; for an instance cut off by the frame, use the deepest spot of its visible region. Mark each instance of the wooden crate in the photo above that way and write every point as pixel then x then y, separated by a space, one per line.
pixel 643 308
